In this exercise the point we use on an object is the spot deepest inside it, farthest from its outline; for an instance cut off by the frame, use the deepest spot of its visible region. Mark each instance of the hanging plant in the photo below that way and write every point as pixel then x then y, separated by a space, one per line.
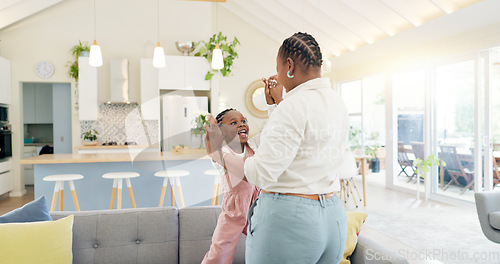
pixel 76 51
pixel 228 52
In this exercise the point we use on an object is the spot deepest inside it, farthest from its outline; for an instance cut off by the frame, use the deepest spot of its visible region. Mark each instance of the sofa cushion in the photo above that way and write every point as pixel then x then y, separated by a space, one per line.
pixel 146 235
pixel 37 242
pixel 33 211
pixel 196 227
pixel 354 222
pixel 495 219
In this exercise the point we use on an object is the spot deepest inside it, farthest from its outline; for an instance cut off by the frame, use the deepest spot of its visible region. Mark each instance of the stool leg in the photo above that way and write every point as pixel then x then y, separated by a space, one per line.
pixel 218 190
pixel 172 196
pixel 179 189
pixel 119 203
pixel 163 191
pixel 214 193
pixel 54 196
pixel 113 194
pixel 73 193
pixel 61 195
pixel 130 192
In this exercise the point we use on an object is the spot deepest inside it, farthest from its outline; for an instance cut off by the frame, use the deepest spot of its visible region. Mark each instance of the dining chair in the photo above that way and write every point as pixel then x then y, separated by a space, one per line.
pixel 403 161
pixel 455 168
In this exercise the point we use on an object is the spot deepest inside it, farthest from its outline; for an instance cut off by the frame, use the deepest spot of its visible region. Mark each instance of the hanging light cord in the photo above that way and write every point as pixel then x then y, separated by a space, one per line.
pixel 158 18
pixel 95 28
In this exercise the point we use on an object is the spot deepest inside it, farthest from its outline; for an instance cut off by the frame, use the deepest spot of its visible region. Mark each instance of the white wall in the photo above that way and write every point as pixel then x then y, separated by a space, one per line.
pixel 125 29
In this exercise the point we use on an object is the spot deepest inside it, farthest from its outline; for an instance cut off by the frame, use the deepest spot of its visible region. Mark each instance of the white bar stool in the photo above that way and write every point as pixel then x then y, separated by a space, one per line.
pixel 172 176
pixel 217 182
pixel 59 189
pixel 117 184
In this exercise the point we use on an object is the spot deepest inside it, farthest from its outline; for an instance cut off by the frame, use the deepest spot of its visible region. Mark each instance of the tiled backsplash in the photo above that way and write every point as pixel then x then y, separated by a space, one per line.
pixel 122 123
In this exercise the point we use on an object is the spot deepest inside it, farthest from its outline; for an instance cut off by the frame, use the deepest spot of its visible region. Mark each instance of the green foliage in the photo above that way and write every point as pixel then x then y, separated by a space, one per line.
pixel 199 129
pixel 423 166
pixel 90 135
pixel 372 150
pixel 76 51
pixel 228 52
pixel 354 137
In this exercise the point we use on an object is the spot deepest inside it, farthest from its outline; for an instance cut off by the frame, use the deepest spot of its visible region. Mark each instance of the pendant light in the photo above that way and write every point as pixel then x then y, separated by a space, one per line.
pixel 217 59
pixel 159 53
pixel 95 57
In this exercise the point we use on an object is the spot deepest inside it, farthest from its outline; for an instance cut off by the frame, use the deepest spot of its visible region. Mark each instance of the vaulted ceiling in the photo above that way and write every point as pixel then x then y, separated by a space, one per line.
pixel 341 26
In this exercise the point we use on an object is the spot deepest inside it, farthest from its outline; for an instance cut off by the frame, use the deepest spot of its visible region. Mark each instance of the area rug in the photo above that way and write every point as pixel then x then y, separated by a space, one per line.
pixel 448 234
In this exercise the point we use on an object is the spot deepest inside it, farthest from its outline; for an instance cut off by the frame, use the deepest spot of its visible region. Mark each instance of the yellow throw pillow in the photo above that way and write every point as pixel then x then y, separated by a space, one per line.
pixel 354 222
pixel 37 242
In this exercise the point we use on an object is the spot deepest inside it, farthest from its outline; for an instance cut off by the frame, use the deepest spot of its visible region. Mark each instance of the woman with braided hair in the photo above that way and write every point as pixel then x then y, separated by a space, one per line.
pixel 231 127
pixel 297 218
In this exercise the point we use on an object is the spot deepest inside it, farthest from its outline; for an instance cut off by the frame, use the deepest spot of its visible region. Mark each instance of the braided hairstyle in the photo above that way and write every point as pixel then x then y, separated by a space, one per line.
pixel 301 47
pixel 221 115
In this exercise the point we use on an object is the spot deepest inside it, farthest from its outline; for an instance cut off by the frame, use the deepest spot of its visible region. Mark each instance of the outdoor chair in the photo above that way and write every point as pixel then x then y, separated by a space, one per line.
pixel 404 161
pixel 496 173
pixel 418 151
pixel 455 168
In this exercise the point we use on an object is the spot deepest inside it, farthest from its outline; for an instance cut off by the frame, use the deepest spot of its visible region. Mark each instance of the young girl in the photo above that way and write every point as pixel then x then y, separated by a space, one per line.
pixel 230 126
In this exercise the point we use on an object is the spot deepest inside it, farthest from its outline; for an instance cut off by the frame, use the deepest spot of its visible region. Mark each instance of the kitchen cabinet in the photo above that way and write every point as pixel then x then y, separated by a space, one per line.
pixel 184 73
pixel 5 176
pixel 30 151
pixel 5 85
pixel 150 95
pixel 37 103
pixel 87 90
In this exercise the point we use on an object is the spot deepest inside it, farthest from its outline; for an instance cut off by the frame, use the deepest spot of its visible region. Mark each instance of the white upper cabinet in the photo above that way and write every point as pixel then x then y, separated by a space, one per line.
pixel 5 86
pixel 184 73
pixel 87 90
pixel 150 100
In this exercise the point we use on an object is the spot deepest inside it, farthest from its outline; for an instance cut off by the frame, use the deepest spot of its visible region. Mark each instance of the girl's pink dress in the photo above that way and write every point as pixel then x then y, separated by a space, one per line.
pixel 238 195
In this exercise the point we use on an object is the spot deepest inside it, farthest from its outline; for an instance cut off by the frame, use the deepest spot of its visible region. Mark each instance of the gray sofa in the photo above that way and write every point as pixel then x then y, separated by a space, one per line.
pixel 488 211
pixel 168 235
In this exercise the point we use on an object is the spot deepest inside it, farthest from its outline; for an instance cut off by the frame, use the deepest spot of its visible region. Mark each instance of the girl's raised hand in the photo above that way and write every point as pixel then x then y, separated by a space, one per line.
pixel 213 136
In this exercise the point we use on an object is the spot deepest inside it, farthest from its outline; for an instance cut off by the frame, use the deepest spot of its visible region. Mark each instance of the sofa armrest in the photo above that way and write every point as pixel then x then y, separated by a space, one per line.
pixel 486 203
pixel 370 252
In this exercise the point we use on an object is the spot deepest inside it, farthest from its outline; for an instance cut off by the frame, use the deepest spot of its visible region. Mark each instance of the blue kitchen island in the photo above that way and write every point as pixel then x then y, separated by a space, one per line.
pixel 94 192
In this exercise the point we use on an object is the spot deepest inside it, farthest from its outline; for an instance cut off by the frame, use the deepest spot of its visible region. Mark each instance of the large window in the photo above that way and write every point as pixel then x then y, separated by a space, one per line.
pixel 409 94
pixel 455 128
pixel 365 101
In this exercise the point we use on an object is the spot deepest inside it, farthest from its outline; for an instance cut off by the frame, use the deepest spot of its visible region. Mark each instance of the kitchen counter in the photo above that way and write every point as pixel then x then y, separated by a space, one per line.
pixel 37 144
pixel 94 191
pixel 116 147
pixel 191 154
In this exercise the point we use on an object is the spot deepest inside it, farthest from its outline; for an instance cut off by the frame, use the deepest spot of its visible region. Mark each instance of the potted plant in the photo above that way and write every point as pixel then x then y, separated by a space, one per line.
pixel 423 166
pixel 372 150
pixel 90 137
pixel 228 52
pixel 199 129
pixel 354 138
pixel 81 49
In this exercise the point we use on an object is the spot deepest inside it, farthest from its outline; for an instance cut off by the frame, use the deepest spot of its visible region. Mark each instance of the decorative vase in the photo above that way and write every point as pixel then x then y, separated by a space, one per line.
pixel 90 143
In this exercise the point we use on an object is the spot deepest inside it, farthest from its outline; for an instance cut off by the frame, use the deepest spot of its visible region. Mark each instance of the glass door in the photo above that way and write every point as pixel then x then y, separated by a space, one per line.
pixel 455 129
pixel 409 99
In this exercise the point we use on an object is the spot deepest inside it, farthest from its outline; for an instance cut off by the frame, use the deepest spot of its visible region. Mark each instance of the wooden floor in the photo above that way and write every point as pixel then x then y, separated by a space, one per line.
pixel 8 204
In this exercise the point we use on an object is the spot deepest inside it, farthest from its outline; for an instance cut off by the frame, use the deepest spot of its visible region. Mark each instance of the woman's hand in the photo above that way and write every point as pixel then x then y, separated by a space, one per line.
pixel 267 92
pixel 273 90
pixel 213 135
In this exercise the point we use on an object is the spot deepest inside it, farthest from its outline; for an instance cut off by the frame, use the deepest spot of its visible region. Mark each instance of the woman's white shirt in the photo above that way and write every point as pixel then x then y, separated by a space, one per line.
pixel 301 145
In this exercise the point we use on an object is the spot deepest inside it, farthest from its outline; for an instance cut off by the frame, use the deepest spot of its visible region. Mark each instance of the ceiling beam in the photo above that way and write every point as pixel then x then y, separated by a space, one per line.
pixel 220 1
pixel 23 9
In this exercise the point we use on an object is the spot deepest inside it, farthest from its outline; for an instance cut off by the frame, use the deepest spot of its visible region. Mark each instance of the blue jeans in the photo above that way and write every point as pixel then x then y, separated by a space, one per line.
pixel 290 229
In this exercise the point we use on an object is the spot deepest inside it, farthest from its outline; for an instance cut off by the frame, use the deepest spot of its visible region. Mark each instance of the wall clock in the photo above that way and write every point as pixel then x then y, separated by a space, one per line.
pixel 44 69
